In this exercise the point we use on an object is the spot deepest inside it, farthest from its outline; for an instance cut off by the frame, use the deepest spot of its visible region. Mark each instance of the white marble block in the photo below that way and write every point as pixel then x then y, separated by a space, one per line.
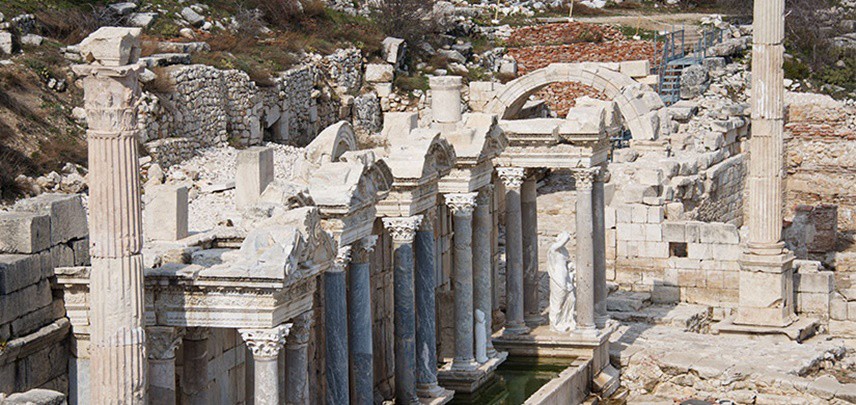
pixel 166 213
pixel 255 172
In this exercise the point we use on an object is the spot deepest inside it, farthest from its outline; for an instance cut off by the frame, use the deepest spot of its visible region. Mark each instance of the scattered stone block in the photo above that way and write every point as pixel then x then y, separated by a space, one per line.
pixel 166 213
pixel 32 40
pixel 636 68
pixel 24 232
pixel 379 73
pixel 254 173
pixel 8 43
pixel 122 8
pixel 36 397
pixel 67 216
pixel 112 46
pixel 192 17
pixel 142 20
pixel 394 50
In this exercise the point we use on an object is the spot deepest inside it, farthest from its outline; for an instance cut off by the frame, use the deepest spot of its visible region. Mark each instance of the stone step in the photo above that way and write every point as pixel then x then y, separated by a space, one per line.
pixel 626 301
pixel 687 317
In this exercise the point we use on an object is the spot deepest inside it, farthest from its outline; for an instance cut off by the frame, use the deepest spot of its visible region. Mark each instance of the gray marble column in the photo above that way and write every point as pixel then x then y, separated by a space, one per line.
pixel 483 262
pixel 529 225
pixel 194 376
pixel 426 310
pixel 336 329
pixel 599 232
pixel 360 322
pixel 462 206
pixel 585 255
pixel 403 232
pixel 161 342
pixel 297 360
pixel 512 178
pixel 265 345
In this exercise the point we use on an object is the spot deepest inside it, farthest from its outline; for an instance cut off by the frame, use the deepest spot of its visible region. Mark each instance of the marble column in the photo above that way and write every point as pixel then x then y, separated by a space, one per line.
pixel 512 178
pixel 265 345
pixel 445 101
pixel 336 329
pixel 599 232
pixel 585 252
pixel 111 91
pixel 360 322
pixel 161 342
pixel 297 360
pixel 766 277
pixel 194 376
pixel 529 225
pixel 483 262
pixel 403 232
pixel 426 310
pixel 462 206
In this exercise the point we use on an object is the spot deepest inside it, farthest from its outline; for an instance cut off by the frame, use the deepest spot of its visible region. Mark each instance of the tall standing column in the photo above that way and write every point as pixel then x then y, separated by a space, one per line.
pixel 512 178
pixel 360 321
pixel 297 360
pixel 766 277
pixel 336 329
pixel 403 232
pixel 161 342
pixel 194 376
pixel 483 262
pixel 599 231
pixel 529 225
pixel 585 255
pixel 265 345
pixel 426 310
pixel 111 90
pixel 462 206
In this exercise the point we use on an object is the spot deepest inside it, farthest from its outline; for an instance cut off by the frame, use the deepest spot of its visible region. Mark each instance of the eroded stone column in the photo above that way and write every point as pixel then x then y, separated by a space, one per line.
pixel 194 376
pixel 599 250
pixel 297 360
pixel 111 91
pixel 585 252
pixel 336 329
pixel 766 277
pixel 403 232
pixel 529 225
pixel 462 206
pixel 360 321
pixel 445 101
pixel 426 312
pixel 512 178
pixel 265 345
pixel 161 342
pixel 483 264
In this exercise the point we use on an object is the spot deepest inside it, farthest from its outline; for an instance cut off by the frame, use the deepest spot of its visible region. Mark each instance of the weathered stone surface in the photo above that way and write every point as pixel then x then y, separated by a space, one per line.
pixel 379 73
pixel 24 232
pixel 693 81
pixel 166 212
pixel 36 397
pixel 67 216
pixel 18 272
pixel 112 46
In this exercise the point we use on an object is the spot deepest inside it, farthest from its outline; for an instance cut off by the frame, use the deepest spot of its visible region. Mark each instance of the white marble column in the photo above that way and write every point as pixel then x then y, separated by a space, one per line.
pixel 512 178
pixel 445 101
pixel 426 309
pixel 462 206
pixel 161 342
pixel 194 376
pixel 483 262
pixel 111 91
pixel 403 232
pixel 265 345
pixel 599 231
pixel 297 360
pixel 766 277
pixel 336 329
pixel 360 322
pixel 529 224
pixel 585 252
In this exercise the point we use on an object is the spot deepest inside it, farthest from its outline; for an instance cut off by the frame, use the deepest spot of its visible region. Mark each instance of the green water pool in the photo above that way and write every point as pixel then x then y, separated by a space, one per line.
pixel 515 381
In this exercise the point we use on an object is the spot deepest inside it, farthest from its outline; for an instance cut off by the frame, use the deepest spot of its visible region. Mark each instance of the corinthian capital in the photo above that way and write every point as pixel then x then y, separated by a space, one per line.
pixel 585 178
pixel 301 326
pixel 461 204
pixel 161 341
pixel 402 229
pixel 343 257
pixel 485 195
pixel 265 343
pixel 512 177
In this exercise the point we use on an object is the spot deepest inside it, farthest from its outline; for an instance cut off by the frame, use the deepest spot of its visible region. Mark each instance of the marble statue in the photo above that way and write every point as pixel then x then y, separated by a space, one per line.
pixel 562 287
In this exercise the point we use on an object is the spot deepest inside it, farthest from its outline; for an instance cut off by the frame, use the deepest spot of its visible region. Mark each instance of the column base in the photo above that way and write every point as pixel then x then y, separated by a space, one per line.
pixel 433 394
pixel 535 321
pixel 469 381
pixel 464 365
pixel 515 330
pixel 766 290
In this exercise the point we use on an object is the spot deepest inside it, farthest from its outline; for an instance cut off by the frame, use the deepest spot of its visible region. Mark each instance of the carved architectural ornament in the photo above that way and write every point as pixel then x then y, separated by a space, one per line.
pixel 461 204
pixel 402 229
pixel 301 325
pixel 512 177
pixel 484 196
pixel 343 257
pixel 197 333
pixel 162 341
pixel 585 178
pixel 265 343
pixel 363 248
pixel 429 217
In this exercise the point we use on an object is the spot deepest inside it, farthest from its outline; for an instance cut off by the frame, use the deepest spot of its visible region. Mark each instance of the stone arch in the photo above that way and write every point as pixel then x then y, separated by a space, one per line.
pixel 639 104
pixel 332 143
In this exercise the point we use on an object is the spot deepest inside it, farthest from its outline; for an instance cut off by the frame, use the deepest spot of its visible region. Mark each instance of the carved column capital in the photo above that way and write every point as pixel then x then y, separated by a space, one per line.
pixel 362 249
pixel 602 175
pixel 429 218
pixel 161 341
pixel 301 325
pixel 265 343
pixel 402 229
pixel 197 333
pixel 343 257
pixel 585 178
pixel 484 195
pixel 461 204
pixel 512 177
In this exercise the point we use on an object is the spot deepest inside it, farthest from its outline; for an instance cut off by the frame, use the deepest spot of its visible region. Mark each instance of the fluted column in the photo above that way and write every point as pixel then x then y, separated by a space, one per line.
pixel 766 279
pixel 483 262
pixel 403 232
pixel 265 345
pixel 161 342
pixel 111 91
pixel 194 376
pixel 599 231
pixel 585 252
pixel 462 206
pixel 336 329
pixel 297 360
pixel 426 310
pixel 529 226
pixel 512 178
pixel 360 322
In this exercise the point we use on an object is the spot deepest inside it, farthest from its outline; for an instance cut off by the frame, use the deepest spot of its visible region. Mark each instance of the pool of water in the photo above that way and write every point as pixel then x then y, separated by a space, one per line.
pixel 515 381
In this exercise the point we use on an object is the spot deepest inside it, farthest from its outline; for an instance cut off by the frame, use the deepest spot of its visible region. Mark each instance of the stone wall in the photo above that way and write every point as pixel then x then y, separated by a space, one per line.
pixel 39 235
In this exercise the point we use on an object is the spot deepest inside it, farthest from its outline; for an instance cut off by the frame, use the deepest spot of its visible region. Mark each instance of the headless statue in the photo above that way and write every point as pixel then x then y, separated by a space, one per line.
pixel 562 273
